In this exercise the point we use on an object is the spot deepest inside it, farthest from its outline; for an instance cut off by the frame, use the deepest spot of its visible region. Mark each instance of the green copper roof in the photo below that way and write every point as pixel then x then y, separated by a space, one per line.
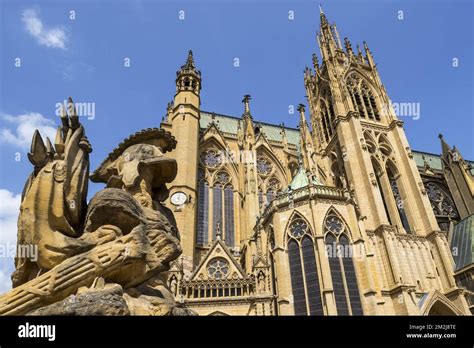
pixel 229 124
pixel 462 245
pixel 301 179
pixel 434 161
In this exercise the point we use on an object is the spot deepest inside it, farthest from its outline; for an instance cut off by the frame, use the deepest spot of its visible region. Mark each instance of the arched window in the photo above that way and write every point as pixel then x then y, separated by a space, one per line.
pixel 344 279
pixel 378 174
pixel 273 187
pixel 351 278
pixel 441 201
pixel 303 269
pixel 229 215
pixel 398 200
pixel 362 98
pixel 203 210
pixel 268 184
pixel 217 209
pixel 327 116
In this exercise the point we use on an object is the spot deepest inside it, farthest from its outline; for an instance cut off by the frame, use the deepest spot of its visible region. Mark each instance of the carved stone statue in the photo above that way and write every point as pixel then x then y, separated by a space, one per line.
pixel 104 258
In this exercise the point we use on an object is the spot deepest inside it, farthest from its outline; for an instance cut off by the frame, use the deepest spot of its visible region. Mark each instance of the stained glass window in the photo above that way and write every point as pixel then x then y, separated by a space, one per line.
pixel 229 215
pixel 441 202
pixel 217 209
pixel 296 275
pixel 400 206
pixel 203 213
pixel 342 268
pixel 302 257
pixel 298 228
pixel 311 275
pixel 351 279
pixel 334 224
pixel 264 167
pixel 211 158
pixel 218 268
pixel 336 276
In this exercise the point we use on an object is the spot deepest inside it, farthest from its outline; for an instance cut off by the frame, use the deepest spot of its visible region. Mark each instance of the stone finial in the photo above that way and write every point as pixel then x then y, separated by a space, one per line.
pixel 246 102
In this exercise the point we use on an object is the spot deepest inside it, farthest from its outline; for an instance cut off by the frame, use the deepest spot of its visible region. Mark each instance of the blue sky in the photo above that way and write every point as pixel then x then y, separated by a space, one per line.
pixel 84 58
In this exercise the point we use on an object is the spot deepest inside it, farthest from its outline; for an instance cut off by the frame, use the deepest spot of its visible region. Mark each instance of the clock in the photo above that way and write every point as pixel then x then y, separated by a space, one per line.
pixel 179 198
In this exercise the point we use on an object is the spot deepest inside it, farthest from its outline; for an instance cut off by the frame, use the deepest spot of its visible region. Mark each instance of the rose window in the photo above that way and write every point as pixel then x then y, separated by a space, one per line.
pixel 334 224
pixel 298 228
pixel 264 167
pixel 211 158
pixel 222 178
pixel 218 268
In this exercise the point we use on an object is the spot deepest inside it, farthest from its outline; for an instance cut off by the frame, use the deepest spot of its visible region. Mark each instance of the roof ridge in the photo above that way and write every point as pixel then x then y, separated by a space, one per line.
pixel 255 121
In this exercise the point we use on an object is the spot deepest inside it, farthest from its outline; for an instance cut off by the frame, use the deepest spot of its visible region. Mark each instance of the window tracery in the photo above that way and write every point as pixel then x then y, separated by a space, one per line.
pixel 218 268
pixel 211 158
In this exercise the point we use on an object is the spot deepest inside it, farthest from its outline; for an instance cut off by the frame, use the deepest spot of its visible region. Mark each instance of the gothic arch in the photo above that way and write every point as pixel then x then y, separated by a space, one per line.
pixel 438 304
pixel 228 163
pixel 384 145
pixel 332 211
pixel 361 75
pixel 296 215
pixel 370 142
pixel 363 94
pixel 390 165
pixel 267 152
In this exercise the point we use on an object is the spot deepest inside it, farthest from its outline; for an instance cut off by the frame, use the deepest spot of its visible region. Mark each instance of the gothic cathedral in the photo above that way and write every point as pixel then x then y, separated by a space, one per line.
pixel 337 217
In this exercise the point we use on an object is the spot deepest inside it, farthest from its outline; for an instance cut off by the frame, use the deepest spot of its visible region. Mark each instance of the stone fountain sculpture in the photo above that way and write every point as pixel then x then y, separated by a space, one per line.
pixel 102 258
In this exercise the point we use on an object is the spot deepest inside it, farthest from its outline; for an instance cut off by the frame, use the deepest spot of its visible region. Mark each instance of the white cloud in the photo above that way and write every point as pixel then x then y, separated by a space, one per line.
pixel 49 37
pixel 26 125
pixel 9 210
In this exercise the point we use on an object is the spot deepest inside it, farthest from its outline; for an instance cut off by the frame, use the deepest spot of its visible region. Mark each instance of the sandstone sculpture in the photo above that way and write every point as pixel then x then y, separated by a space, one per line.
pixel 104 258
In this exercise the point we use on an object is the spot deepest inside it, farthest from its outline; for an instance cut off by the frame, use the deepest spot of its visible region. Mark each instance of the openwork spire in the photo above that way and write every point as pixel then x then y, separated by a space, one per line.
pixel 189 67
pixel 190 61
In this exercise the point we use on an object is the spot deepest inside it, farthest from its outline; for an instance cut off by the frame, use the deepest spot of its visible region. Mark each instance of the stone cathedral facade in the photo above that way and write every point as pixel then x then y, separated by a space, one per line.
pixel 337 217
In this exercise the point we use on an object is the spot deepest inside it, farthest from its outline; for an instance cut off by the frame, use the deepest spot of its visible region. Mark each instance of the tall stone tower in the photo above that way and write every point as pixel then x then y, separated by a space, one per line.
pixel 183 116
pixel 359 140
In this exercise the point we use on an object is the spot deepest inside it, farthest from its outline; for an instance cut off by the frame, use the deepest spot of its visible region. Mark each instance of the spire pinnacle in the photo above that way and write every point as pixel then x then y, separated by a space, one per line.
pixel 348 46
pixel 189 66
pixel 190 60
pixel 301 109
pixel 322 15
pixel 246 102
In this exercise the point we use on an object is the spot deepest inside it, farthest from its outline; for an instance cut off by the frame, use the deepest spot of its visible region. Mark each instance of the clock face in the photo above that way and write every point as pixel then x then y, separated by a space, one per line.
pixel 179 198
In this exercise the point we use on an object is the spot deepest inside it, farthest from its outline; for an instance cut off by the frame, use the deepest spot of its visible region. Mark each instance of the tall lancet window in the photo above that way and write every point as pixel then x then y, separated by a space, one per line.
pixel 398 200
pixel 216 209
pixel 223 207
pixel 203 210
pixel 362 98
pixel 229 215
pixel 303 269
pixel 340 253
